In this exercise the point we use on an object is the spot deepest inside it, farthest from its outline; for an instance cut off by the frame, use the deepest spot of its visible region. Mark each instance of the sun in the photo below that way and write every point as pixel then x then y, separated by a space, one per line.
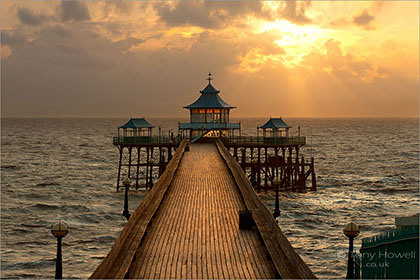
pixel 297 41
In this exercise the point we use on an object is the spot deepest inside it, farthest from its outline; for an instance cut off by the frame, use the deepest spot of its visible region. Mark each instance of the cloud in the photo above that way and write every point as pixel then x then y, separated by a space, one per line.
pixel 208 14
pixel 74 11
pixel 126 44
pixel 66 75
pixel 363 19
pixel 344 67
pixel 27 17
pixel 294 11
pixel 12 39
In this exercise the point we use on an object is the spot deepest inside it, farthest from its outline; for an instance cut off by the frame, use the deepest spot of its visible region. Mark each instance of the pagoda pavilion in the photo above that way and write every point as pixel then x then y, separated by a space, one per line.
pixel 275 127
pixel 136 127
pixel 209 116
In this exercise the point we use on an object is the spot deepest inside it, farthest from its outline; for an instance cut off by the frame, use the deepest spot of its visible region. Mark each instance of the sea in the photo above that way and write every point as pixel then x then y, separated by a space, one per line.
pixel 57 169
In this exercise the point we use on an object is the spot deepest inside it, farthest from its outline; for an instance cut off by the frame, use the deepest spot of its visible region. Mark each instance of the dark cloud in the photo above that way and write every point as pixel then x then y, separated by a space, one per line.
pixel 55 31
pixel 27 17
pixel 74 11
pixel 364 19
pixel 208 14
pixel 126 44
pixel 294 11
pixel 12 39
pixel 65 74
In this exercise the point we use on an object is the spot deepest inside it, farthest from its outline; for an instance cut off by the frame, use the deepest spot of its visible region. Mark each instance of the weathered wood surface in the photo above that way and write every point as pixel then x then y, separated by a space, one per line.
pixel 188 226
pixel 195 234
pixel 287 262
pixel 119 259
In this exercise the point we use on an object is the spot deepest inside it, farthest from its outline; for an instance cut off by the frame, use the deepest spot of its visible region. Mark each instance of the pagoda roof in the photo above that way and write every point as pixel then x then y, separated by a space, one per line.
pixel 137 123
pixel 275 123
pixel 209 89
pixel 209 99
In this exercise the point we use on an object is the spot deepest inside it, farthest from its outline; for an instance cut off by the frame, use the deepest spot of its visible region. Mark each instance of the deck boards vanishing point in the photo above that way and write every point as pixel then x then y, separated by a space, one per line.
pixel 195 233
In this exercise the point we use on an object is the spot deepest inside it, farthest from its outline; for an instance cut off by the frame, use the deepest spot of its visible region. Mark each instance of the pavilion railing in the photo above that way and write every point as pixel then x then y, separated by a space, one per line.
pixel 127 140
pixel 291 140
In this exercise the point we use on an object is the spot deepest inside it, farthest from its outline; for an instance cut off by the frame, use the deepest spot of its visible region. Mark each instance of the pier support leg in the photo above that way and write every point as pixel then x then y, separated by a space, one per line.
pixel 259 170
pixel 161 159
pixel 129 162
pixel 266 170
pixel 243 159
pixel 313 175
pixel 302 175
pixel 289 175
pixel 169 153
pixel 138 167
pixel 147 166
pixel 119 168
pixel 151 162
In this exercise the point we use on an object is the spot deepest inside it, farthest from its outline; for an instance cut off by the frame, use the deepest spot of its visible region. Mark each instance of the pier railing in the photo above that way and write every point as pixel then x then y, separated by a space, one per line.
pixel 288 264
pixel 291 140
pixel 235 140
pixel 116 264
pixel 132 140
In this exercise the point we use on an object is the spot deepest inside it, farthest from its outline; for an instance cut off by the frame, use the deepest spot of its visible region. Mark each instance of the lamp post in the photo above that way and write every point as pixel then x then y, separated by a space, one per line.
pixel 126 183
pixel 59 230
pixel 151 161
pixel 351 230
pixel 253 171
pixel 276 183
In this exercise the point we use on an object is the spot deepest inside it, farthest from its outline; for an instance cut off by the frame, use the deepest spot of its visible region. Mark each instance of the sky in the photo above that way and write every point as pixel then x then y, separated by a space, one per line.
pixel 274 58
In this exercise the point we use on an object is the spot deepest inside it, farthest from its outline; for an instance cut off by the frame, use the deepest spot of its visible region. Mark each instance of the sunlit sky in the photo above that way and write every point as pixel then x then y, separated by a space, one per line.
pixel 138 58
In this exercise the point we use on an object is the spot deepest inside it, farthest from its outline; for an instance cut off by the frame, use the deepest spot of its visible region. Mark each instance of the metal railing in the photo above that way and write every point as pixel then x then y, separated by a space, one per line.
pixel 291 140
pixel 206 126
pixel 127 140
pixel 391 255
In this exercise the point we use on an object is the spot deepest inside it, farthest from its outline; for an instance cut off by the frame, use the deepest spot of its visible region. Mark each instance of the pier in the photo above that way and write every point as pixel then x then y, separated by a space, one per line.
pixel 202 218
pixel 188 226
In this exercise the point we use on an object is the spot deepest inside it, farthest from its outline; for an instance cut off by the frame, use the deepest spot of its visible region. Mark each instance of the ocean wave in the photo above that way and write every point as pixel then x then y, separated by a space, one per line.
pixel 43 206
pixel 10 167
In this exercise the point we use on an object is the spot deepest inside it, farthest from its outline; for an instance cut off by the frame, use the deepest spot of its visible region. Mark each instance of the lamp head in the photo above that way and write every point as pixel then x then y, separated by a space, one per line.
pixel 351 230
pixel 59 230
pixel 126 182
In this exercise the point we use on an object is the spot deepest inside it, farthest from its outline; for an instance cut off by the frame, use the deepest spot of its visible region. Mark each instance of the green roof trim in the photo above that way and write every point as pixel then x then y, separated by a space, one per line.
pixel 275 123
pixel 137 123
pixel 209 99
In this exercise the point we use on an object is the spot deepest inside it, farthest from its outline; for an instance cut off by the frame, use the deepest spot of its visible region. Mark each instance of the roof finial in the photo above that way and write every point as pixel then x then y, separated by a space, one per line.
pixel 209 78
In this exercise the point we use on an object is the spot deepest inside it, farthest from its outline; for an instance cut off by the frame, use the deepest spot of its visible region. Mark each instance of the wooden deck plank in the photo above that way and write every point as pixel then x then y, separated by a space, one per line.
pixel 195 233
pixel 288 264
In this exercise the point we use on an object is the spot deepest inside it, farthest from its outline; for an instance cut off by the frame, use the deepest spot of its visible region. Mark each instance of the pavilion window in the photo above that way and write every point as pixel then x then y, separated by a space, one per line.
pixel 195 118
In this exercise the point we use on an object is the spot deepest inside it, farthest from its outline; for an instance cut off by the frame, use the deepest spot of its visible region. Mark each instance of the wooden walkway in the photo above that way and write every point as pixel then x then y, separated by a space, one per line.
pixel 187 227
pixel 195 234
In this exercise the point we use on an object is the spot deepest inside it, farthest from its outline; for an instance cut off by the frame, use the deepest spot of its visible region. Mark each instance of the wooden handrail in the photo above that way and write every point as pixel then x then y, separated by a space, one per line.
pixel 288 264
pixel 117 263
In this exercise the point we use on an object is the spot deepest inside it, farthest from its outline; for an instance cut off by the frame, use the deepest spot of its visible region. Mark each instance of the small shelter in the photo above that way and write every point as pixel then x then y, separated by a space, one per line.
pixel 209 115
pixel 275 127
pixel 136 127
